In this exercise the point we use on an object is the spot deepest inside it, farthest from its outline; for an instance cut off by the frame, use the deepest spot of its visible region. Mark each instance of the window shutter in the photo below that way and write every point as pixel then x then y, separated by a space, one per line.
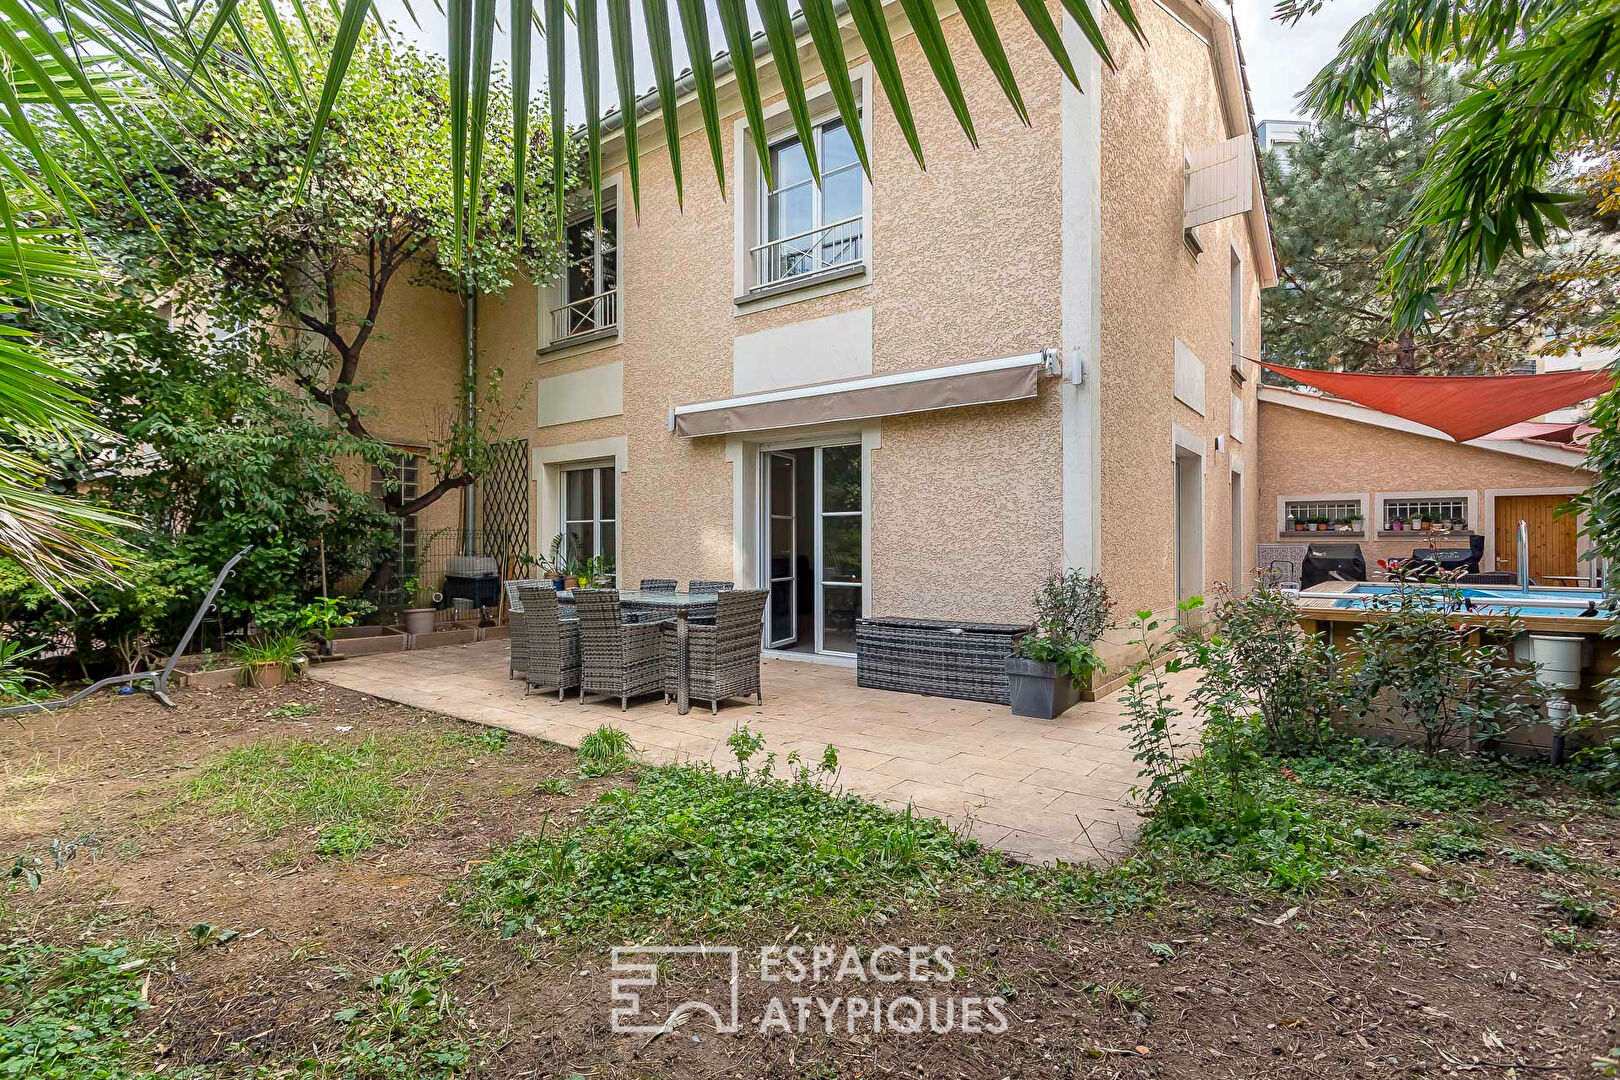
pixel 1219 181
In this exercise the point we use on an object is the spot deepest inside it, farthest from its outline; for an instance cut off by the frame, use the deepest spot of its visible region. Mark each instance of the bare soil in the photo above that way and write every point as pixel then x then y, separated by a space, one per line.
pixel 1443 969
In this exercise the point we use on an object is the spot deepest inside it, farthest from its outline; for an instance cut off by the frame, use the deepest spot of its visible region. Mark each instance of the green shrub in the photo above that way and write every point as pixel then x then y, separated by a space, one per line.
pixel 1599 767
pixel 605 750
pixel 1255 643
pixel 1395 774
pixel 409 1026
pixel 1072 609
pixel 706 850
pixel 1421 665
pixel 64 1013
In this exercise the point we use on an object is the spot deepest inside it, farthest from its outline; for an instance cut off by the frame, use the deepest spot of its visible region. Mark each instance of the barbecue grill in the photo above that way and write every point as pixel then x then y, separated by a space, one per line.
pixel 472 578
pixel 1332 562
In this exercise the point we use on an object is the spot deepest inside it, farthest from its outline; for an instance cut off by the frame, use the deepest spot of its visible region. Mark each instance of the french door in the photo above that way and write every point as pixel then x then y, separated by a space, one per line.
pixel 840 532
pixel 812 536
pixel 781 555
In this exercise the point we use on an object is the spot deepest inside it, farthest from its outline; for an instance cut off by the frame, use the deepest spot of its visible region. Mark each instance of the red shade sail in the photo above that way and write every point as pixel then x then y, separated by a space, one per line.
pixel 1463 406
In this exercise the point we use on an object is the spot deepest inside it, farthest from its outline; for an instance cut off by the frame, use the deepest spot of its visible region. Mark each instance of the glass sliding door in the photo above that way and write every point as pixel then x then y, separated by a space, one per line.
pixel 781 556
pixel 840 529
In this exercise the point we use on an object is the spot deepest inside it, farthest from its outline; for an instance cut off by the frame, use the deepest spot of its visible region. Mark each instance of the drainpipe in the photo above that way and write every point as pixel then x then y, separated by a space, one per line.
pixel 470 347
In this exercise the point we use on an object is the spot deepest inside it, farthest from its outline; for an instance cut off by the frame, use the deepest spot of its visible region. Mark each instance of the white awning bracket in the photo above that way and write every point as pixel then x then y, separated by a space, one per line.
pixel 985 382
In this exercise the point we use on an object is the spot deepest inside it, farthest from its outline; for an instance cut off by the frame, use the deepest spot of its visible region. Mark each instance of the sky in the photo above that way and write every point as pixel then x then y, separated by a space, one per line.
pixel 1281 59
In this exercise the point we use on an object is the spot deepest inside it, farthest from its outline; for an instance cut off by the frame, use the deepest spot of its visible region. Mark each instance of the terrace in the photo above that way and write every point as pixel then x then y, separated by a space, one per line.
pixel 1037 789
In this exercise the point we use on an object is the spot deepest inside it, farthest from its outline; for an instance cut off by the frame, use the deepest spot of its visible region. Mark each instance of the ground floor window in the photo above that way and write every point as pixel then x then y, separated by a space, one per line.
pixel 590 514
pixel 1418 512
pixel 404 478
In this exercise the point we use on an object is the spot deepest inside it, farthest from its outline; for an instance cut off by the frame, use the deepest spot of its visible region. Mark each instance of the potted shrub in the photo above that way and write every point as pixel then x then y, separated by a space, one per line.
pixel 417 619
pixel 269 659
pixel 317 620
pixel 1052 665
pixel 552 565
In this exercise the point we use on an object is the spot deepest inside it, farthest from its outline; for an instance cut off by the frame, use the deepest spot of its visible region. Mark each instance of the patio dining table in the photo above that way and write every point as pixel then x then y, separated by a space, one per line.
pixel 681 606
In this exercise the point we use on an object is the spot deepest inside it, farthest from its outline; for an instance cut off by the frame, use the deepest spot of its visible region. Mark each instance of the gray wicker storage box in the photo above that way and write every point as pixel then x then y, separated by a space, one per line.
pixel 936 657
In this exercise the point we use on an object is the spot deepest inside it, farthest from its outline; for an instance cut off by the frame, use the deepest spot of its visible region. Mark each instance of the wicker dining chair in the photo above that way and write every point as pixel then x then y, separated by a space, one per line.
pixel 657 584
pixel 516 616
pixel 552 646
pixel 698 585
pixel 617 659
pixel 722 660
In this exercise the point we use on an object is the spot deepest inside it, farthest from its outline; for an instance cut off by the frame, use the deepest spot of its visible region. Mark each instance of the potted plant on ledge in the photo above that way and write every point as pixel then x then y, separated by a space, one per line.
pixel 1053 665
pixel 417 619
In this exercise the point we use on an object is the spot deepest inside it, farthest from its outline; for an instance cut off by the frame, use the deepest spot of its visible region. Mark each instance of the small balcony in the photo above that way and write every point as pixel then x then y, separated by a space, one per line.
pixel 586 319
pixel 793 260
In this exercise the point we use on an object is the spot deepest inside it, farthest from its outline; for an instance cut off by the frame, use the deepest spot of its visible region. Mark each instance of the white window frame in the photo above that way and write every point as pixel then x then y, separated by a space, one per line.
pixel 598 470
pixel 750 224
pixel 817 212
pixel 555 295
pixel 751 513
pixel 408 465
pixel 822 514
pixel 1468 496
pixel 1362 499
pixel 1235 312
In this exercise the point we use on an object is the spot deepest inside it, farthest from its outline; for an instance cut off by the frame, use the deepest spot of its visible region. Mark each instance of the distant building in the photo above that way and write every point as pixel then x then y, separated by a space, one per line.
pixel 1584 360
pixel 1281 136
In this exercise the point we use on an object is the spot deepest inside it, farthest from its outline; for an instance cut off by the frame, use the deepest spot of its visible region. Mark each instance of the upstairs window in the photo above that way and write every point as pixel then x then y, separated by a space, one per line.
pixel 582 305
pixel 593 278
pixel 805 229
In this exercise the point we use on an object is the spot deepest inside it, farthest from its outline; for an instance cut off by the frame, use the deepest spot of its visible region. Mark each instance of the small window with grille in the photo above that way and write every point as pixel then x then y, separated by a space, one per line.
pixel 1440 512
pixel 404 478
pixel 1324 515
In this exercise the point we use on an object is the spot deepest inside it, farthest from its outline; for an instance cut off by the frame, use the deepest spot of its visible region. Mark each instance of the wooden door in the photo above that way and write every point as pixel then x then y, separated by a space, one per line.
pixel 1552 536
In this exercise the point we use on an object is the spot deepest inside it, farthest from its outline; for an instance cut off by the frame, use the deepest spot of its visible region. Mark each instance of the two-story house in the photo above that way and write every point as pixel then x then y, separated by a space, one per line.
pixel 919 393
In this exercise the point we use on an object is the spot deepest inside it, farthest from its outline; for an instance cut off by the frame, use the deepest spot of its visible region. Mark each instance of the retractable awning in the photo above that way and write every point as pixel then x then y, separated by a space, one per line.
pixel 986 382
pixel 1463 406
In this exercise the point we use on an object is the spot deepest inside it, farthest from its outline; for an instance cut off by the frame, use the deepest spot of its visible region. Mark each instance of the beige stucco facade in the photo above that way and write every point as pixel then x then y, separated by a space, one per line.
pixel 1316 450
pixel 1065 235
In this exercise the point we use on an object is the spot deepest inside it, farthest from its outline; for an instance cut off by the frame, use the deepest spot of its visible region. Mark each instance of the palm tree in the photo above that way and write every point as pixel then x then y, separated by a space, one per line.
pixel 61 58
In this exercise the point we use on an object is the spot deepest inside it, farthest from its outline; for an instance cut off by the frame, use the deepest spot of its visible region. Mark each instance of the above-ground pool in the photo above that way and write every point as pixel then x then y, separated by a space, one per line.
pixel 1497 600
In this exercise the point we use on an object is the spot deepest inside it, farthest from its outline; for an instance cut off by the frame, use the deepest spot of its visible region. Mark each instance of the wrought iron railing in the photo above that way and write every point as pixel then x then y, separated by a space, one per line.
pixel 836 244
pixel 585 316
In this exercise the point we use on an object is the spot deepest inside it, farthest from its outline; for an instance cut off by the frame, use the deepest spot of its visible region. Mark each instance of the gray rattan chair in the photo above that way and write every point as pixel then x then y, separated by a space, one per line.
pixel 617 659
pixel 722 661
pixel 657 584
pixel 710 586
pixel 515 619
pixel 552 648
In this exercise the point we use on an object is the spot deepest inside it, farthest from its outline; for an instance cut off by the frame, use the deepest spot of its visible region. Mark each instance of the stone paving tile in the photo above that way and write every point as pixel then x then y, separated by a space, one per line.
pixel 1036 848
pixel 1086 784
pixel 1037 789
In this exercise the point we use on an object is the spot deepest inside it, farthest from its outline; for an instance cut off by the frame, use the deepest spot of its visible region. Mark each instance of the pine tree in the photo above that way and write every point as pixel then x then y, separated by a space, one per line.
pixel 1340 201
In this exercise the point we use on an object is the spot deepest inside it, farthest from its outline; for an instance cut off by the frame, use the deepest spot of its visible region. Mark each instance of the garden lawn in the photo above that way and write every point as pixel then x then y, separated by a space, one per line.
pixel 309 882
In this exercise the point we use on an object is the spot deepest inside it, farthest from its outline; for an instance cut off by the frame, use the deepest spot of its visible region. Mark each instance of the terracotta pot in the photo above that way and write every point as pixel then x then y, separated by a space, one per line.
pixel 571 583
pixel 266 674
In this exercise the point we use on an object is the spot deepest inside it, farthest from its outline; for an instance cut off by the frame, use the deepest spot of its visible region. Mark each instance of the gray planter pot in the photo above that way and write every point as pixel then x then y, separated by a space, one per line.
pixel 418 620
pixel 1038 690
